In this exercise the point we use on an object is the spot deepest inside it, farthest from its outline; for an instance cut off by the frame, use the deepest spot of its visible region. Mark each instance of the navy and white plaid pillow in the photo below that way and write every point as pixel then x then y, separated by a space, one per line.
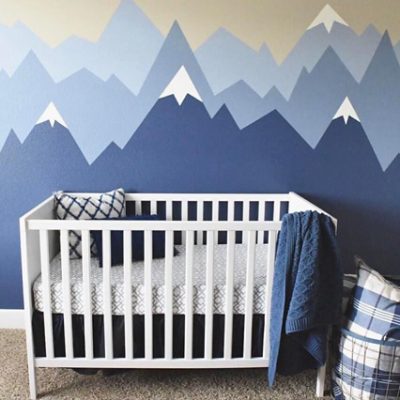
pixel 375 305
pixel 368 365
pixel 69 206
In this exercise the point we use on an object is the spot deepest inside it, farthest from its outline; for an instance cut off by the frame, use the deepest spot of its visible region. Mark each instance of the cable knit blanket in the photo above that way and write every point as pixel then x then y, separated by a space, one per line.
pixel 306 295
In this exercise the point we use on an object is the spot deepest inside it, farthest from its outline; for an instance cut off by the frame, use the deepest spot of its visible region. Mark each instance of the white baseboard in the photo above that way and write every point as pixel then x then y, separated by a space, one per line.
pixel 12 319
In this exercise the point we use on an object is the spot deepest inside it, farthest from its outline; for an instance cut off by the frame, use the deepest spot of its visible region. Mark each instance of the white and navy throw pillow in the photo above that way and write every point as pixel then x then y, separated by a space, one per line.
pixel 368 365
pixel 105 205
pixel 374 308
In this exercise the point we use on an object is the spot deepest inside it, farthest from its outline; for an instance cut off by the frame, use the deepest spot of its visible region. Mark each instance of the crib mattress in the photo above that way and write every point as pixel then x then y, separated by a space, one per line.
pixel 158 287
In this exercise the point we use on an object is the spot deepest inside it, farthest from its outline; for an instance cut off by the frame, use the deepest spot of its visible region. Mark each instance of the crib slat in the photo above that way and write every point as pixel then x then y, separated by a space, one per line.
pixel 277 210
pixel 128 294
pixel 200 216
pixel 261 217
pixel 245 218
pixel 148 300
pixel 229 295
pixel 189 296
pixel 66 290
pixel 248 322
pixel 153 207
pixel 168 210
pixel 184 217
pixel 209 295
pixel 272 236
pixel 138 207
pixel 215 217
pixel 108 339
pixel 231 211
pixel 48 319
pixel 87 294
pixel 168 294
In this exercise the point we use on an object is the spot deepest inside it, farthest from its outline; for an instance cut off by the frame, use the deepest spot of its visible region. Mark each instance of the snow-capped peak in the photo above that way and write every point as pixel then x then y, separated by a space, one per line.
pixel 346 110
pixel 180 86
pixel 327 16
pixel 52 115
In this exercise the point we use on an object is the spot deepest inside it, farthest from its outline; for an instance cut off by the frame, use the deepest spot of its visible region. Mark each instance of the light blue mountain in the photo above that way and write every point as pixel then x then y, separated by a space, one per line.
pixel 397 50
pixel 226 60
pixel 23 97
pixel 246 106
pixel 175 53
pixel 355 52
pixel 317 96
pixel 377 102
pixel 3 77
pixel 96 112
pixel 16 42
pixel 127 48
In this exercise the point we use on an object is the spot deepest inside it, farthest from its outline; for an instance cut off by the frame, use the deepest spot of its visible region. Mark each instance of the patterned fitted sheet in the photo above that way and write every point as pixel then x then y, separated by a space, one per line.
pixel 158 265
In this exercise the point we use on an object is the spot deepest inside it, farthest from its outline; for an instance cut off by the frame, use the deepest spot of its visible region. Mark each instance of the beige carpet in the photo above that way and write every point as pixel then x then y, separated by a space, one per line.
pixel 142 384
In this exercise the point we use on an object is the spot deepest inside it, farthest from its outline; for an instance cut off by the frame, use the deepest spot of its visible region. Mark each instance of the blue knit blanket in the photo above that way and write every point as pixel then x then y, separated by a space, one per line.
pixel 306 294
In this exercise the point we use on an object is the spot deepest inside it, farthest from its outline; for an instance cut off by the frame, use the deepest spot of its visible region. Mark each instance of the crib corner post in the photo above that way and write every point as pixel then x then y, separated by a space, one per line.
pixel 320 388
pixel 321 372
pixel 29 258
pixel 32 379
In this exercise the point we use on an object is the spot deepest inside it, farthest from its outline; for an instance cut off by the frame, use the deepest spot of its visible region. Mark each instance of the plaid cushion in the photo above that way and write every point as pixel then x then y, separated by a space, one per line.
pixel 69 206
pixel 368 365
pixel 367 369
pixel 375 305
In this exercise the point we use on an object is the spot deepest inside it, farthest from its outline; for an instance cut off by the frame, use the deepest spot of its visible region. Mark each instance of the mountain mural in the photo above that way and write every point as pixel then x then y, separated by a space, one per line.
pixel 129 42
pixel 97 85
pixel 142 109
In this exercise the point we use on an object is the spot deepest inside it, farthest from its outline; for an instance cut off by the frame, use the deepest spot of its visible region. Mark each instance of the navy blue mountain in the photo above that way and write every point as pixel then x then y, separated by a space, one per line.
pixel 183 149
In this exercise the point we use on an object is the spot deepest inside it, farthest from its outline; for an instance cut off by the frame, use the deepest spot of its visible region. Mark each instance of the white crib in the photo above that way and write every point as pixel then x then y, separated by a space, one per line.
pixel 191 220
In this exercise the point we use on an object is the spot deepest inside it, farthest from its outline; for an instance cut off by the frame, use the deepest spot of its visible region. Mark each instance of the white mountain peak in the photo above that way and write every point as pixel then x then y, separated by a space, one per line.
pixel 327 16
pixel 346 110
pixel 180 86
pixel 52 115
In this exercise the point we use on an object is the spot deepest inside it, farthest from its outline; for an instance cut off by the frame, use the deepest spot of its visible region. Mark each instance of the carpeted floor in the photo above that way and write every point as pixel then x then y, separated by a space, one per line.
pixel 142 384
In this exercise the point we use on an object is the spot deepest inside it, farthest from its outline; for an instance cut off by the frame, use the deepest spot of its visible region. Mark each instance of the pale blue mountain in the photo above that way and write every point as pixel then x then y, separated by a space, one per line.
pixel 378 102
pixel 397 50
pixel 174 54
pixel 246 106
pixel 23 97
pixel 226 60
pixel 127 48
pixel 274 100
pixel 96 112
pixel 16 42
pixel 3 77
pixel 318 95
pixel 355 52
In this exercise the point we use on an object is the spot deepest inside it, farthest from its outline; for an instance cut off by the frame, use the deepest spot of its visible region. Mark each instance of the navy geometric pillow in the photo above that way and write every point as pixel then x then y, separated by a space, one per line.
pixel 69 206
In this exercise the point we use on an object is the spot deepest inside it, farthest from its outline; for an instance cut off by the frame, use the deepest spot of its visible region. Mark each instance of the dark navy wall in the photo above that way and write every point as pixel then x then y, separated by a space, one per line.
pixel 182 149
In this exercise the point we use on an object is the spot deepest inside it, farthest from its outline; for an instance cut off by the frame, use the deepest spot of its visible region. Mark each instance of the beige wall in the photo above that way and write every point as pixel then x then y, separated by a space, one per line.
pixel 276 22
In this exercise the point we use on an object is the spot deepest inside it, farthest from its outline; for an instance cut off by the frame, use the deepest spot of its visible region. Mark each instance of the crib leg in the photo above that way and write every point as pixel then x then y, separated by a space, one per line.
pixel 31 362
pixel 32 382
pixel 321 373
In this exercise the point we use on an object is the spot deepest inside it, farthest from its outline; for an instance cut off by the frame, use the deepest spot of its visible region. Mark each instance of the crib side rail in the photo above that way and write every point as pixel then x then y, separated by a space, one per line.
pixel 249 230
